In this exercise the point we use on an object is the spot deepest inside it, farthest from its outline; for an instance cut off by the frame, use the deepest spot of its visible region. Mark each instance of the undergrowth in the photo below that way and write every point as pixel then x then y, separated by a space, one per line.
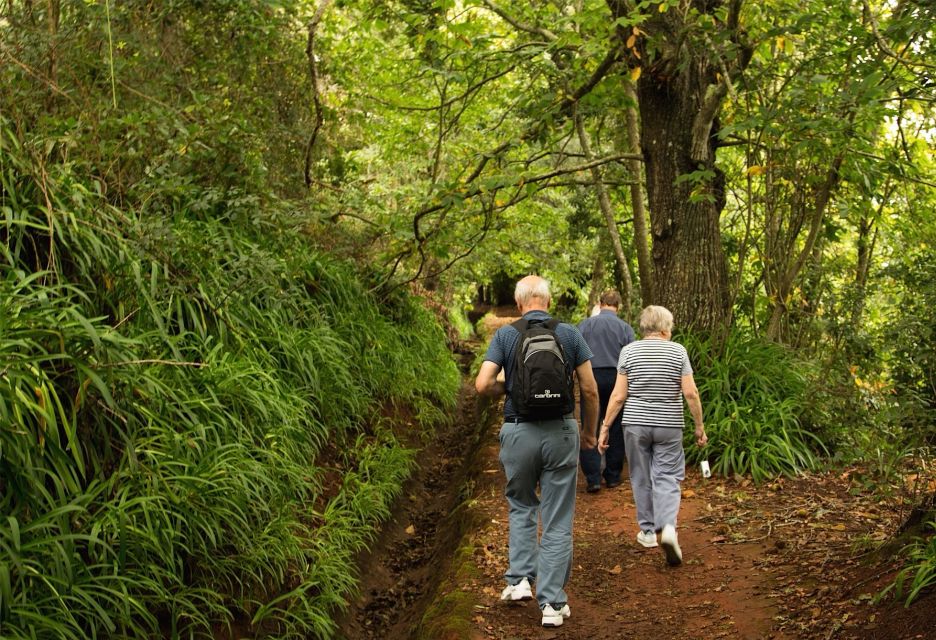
pixel 753 395
pixel 173 392
pixel 919 571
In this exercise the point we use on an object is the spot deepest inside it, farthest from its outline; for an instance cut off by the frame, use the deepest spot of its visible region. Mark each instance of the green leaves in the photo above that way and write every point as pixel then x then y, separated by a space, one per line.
pixel 919 572
pixel 752 399
pixel 167 390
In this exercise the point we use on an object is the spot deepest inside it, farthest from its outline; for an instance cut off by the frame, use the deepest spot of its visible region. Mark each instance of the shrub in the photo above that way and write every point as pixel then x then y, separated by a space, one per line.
pixel 176 390
pixel 753 393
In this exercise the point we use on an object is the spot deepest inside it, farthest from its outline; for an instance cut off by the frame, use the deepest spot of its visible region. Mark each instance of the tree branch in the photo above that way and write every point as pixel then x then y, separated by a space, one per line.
pixel 597 162
pixel 316 98
pixel 701 150
pixel 520 26
pixel 882 44
pixel 467 92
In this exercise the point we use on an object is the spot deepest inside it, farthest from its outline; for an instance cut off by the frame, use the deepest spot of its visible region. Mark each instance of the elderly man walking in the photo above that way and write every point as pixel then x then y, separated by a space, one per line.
pixel 540 450
pixel 606 334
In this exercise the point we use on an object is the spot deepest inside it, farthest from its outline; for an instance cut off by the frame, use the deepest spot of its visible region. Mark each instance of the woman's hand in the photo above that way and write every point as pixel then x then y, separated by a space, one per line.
pixel 603 436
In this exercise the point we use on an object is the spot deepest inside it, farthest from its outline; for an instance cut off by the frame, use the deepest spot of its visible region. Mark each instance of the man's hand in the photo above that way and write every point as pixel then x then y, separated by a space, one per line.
pixel 589 418
pixel 588 440
pixel 700 438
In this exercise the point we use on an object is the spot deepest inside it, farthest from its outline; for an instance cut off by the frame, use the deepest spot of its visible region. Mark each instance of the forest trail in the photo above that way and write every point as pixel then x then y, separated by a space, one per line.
pixel 620 589
pixel 791 559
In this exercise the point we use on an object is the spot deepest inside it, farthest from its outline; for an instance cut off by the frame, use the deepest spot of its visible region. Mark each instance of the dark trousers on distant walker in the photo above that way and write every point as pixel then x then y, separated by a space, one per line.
pixel 590 459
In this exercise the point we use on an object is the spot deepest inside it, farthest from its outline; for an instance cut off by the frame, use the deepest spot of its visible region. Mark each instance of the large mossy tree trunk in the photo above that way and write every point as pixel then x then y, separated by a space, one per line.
pixel 683 80
pixel 688 258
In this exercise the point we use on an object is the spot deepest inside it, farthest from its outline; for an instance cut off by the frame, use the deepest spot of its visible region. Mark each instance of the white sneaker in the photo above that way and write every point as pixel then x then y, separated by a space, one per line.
pixel 647 538
pixel 519 591
pixel 553 618
pixel 671 546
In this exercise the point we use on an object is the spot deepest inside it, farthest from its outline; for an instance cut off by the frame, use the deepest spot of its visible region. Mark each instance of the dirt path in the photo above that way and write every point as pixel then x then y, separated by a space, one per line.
pixel 620 589
pixel 794 559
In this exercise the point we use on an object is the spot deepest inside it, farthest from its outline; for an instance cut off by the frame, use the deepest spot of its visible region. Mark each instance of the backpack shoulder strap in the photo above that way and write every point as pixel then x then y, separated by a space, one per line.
pixel 521 325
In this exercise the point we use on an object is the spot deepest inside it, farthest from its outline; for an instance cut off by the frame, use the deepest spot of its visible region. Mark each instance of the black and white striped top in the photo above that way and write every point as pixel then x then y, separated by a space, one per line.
pixel 654 370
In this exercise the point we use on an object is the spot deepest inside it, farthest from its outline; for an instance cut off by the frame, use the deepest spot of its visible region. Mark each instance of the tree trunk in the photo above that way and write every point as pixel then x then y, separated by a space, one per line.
pixel 682 83
pixel 52 20
pixel 865 254
pixel 790 268
pixel 622 272
pixel 598 273
pixel 52 23
pixel 863 268
pixel 687 252
pixel 641 242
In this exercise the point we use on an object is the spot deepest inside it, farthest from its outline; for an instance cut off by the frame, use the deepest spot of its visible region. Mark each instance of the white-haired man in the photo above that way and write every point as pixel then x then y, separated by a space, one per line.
pixel 540 451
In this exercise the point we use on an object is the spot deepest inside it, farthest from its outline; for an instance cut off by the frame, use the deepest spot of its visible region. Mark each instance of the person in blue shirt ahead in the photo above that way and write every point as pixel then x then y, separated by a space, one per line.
pixel 606 335
pixel 540 452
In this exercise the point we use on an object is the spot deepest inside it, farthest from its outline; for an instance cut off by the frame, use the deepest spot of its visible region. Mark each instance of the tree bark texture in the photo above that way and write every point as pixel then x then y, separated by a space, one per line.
pixel 688 258
pixel 682 85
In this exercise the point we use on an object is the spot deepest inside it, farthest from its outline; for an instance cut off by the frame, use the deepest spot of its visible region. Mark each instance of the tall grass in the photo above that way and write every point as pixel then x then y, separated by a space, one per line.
pixel 753 394
pixel 171 393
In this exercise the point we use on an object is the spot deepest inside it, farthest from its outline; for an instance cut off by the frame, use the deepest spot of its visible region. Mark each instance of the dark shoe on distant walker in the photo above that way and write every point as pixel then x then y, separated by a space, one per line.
pixel 593 488
pixel 613 483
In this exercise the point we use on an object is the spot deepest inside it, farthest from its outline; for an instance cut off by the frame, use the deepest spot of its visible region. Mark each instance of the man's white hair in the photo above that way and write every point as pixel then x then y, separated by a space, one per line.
pixel 654 319
pixel 531 287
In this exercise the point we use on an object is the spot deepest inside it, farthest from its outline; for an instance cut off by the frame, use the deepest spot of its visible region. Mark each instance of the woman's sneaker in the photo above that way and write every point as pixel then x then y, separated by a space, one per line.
pixel 554 618
pixel 519 591
pixel 647 538
pixel 671 546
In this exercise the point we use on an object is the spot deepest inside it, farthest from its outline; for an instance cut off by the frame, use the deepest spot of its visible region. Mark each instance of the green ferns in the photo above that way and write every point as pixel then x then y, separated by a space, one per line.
pixel 172 394
pixel 919 572
pixel 752 398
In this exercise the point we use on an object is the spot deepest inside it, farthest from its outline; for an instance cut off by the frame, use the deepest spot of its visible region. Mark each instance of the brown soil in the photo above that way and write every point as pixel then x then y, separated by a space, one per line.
pixel 400 572
pixel 798 558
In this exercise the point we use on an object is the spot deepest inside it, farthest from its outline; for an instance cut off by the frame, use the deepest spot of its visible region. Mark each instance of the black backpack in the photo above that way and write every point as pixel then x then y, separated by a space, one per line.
pixel 542 376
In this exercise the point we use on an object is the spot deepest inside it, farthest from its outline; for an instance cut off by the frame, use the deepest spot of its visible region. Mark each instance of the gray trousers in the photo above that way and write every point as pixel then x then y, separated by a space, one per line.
pixel 657 465
pixel 544 452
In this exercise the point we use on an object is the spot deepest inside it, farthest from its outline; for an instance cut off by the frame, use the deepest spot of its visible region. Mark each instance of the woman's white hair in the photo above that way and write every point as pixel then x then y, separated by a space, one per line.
pixel 654 319
pixel 531 287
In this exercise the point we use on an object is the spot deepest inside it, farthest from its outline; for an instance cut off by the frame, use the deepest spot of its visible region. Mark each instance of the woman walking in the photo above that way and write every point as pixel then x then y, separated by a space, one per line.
pixel 653 377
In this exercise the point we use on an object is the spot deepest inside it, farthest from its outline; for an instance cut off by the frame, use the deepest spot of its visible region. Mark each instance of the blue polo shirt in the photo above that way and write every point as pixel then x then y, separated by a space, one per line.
pixel 504 343
pixel 606 334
